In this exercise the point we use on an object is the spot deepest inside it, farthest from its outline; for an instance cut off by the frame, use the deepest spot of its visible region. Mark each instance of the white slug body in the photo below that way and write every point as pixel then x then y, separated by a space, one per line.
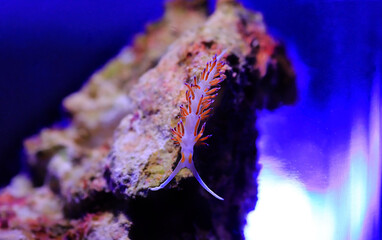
pixel 188 133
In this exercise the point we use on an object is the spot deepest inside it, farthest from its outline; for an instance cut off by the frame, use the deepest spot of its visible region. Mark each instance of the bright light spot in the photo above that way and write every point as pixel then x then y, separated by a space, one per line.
pixel 357 183
pixel 344 210
pixel 284 210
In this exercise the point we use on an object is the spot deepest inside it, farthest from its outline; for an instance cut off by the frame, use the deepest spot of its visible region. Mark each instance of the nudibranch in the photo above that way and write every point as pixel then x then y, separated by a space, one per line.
pixel 189 130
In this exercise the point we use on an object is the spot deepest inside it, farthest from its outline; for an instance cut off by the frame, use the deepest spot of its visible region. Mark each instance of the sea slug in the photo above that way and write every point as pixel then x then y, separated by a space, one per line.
pixel 189 131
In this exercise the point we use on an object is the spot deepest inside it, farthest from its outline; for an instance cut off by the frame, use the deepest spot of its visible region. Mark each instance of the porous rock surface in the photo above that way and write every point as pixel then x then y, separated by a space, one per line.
pixel 28 213
pixel 96 172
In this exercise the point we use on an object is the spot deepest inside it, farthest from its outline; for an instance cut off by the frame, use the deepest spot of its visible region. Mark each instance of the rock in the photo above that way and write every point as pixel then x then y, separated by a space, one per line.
pixel 20 202
pixel 95 172
pixel 142 154
pixel 100 105
pixel 142 150
pixel 72 159
pixel 37 213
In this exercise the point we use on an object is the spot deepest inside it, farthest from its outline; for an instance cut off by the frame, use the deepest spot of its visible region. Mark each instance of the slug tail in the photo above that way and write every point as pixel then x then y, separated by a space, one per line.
pixel 191 166
pixel 180 165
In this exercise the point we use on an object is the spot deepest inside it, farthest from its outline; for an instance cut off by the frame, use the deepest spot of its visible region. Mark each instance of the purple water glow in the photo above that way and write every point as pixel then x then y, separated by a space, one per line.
pixel 321 175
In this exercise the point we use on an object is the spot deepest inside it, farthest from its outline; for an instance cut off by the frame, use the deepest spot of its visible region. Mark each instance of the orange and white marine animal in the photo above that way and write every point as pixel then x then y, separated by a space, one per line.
pixel 189 131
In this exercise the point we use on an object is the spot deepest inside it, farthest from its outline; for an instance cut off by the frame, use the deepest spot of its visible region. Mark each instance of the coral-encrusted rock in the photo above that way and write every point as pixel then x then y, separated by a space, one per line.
pixel 100 226
pixel 142 154
pixel 72 159
pixel 20 202
pixel 71 169
pixel 118 143
pixel 104 100
pixel 36 213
